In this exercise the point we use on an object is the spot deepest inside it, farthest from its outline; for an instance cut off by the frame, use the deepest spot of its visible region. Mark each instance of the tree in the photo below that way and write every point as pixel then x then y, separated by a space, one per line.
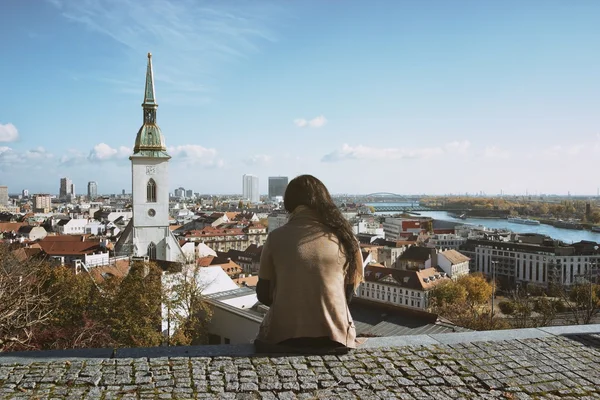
pixel 479 291
pixel 465 302
pixel 187 311
pixel 135 315
pixel 24 302
pixel 448 292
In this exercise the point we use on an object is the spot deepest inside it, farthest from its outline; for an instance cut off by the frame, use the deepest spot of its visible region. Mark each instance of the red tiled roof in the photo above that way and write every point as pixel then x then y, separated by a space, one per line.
pixel 67 245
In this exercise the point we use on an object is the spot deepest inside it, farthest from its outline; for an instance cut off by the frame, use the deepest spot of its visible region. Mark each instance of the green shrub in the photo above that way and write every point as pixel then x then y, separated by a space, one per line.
pixel 507 307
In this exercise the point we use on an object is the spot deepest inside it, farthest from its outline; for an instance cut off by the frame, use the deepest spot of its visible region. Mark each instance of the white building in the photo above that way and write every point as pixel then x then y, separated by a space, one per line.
pixel 452 262
pixel 447 241
pixel 148 233
pixel 250 188
pixel 403 288
pixel 3 195
pixel 73 226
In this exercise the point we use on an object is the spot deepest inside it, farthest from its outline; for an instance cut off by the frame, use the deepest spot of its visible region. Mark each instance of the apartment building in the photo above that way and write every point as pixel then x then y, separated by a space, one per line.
pixel 403 288
pixel 517 263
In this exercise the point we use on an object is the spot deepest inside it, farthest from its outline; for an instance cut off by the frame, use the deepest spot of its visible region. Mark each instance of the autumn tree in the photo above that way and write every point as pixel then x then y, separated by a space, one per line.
pixel 24 303
pixel 187 312
pixel 466 303
pixel 135 312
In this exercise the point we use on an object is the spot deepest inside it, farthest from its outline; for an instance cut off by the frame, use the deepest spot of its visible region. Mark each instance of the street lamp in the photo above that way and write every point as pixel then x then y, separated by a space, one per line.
pixel 493 287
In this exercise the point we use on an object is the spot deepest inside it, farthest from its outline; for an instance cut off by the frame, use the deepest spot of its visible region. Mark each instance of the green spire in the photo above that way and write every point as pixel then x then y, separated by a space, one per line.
pixel 149 141
pixel 149 93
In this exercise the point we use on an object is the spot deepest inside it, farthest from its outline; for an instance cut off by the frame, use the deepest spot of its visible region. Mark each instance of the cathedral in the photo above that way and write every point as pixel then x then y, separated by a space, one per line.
pixel 148 233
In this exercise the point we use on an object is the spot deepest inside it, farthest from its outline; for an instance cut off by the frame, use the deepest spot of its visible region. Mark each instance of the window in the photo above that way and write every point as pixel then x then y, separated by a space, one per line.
pixel 151 191
pixel 152 251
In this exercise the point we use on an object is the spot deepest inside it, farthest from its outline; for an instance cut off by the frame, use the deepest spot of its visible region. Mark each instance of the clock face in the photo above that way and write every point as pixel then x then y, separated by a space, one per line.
pixel 151 212
pixel 150 170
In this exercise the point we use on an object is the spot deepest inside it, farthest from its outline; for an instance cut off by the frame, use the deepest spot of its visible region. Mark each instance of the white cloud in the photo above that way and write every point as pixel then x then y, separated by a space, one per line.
pixel 103 152
pixel 72 157
pixel 361 152
pixel 497 153
pixel 193 154
pixel 258 159
pixel 8 133
pixel 33 158
pixel 316 122
pixel 458 147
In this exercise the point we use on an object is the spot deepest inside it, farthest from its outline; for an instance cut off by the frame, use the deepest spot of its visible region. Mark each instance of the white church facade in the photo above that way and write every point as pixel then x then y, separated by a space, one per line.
pixel 148 233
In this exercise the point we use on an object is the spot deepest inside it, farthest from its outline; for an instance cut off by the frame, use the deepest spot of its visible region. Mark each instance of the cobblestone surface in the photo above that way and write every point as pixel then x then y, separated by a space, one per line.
pixel 550 368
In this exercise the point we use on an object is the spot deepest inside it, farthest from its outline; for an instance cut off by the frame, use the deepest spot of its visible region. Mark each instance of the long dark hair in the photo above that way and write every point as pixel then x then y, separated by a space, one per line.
pixel 306 190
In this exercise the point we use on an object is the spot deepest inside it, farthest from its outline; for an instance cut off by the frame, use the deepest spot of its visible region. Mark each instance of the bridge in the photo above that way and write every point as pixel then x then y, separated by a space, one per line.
pixel 400 208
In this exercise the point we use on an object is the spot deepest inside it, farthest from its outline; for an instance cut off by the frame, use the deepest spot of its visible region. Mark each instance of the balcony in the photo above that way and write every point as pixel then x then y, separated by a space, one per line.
pixel 513 364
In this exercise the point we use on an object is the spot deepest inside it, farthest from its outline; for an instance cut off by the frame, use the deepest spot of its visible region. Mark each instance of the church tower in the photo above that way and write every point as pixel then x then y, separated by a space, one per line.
pixel 148 233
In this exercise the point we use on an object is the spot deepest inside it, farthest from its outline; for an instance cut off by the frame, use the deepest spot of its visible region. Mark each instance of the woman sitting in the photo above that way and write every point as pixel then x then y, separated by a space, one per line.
pixel 309 269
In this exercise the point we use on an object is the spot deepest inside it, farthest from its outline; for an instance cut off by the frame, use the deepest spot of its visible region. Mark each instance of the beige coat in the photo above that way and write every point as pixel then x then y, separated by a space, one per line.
pixel 304 263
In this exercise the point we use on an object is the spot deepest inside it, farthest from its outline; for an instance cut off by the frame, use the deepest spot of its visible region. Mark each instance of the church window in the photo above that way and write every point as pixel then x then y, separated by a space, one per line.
pixel 151 191
pixel 152 251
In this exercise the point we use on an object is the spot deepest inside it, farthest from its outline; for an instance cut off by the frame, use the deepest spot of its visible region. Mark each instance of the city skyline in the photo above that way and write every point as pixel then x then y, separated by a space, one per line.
pixel 394 96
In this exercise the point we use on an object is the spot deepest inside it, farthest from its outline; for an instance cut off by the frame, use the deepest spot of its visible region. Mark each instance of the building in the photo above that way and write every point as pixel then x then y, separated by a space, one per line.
pixel 147 234
pixel 277 186
pixel 42 203
pixel 179 192
pixel 276 220
pixel 3 195
pixel 453 263
pixel 394 228
pixel 67 188
pixel 189 193
pixel 250 188
pixel 515 263
pixel 446 241
pixel 92 190
pixel 400 287
pixel 25 193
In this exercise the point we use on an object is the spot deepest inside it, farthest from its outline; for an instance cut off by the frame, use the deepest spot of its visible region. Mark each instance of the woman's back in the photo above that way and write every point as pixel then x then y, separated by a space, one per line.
pixel 304 262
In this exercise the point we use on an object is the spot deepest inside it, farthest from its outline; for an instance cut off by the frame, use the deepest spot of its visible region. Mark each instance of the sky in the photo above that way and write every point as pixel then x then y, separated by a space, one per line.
pixel 400 96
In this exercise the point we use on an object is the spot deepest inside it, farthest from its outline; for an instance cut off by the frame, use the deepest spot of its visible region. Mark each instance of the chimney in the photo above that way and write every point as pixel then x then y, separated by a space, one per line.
pixel 434 257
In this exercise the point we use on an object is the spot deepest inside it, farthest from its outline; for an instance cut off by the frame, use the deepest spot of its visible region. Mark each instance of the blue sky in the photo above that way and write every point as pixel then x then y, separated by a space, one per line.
pixel 398 96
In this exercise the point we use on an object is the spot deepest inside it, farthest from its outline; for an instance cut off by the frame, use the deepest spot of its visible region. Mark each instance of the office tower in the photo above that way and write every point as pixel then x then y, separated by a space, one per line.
pixel 25 193
pixel 42 203
pixel 123 192
pixel 92 190
pixel 3 195
pixel 250 188
pixel 189 193
pixel 180 192
pixel 66 188
pixel 277 186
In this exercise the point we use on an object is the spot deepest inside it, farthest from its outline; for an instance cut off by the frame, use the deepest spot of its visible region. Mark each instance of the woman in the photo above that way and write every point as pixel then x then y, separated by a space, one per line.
pixel 309 269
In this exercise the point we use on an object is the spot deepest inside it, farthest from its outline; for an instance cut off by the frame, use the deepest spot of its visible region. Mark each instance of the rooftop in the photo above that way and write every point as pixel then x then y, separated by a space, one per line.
pixel 556 362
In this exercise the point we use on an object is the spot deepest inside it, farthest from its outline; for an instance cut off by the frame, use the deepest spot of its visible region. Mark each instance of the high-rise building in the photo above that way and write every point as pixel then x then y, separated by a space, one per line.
pixel 25 193
pixel 67 188
pixel 92 190
pixel 3 195
pixel 277 186
pixel 180 192
pixel 250 188
pixel 189 193
pixel 42 203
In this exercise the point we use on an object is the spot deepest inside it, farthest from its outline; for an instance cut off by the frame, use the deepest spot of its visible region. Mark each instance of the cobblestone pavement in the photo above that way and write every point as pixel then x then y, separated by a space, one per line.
pixel 550 368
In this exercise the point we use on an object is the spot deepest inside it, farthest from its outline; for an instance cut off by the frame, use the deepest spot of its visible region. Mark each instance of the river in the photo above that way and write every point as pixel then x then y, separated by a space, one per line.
pixel 566 235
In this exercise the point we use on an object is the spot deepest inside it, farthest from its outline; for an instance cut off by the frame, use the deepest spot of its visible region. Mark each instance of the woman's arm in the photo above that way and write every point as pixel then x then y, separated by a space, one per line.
pixel 263 292
pixel 266 275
